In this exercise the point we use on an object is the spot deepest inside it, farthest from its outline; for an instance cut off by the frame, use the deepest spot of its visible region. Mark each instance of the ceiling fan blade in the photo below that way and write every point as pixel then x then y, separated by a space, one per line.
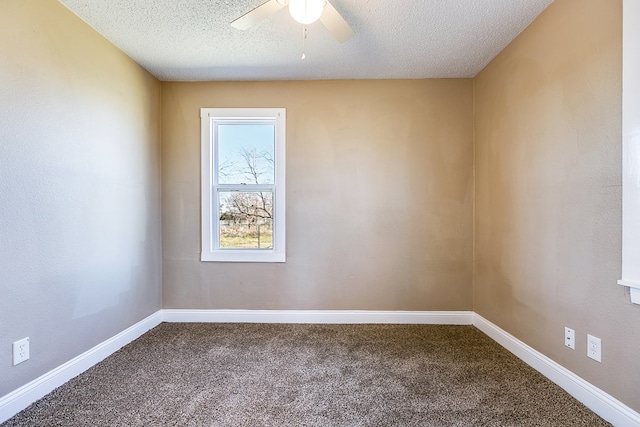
pixel 336 24
pixel 261 12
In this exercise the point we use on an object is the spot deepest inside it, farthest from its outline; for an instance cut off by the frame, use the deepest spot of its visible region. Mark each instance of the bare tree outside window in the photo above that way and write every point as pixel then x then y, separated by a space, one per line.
pixel 246 158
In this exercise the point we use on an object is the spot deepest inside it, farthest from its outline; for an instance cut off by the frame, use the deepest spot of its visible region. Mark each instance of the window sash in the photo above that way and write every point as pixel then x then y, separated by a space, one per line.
pixel 216 122
pixel 215 226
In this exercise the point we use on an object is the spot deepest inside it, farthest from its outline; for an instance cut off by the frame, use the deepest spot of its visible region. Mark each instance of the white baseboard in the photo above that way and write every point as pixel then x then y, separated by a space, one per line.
pixel 17 400
pixel 591 396
pixel 319 316
pixel 595 399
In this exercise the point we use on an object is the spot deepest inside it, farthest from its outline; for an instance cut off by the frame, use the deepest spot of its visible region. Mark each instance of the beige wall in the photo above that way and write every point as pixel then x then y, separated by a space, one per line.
pixel 80 247
pixel 548 193
pixel 379 197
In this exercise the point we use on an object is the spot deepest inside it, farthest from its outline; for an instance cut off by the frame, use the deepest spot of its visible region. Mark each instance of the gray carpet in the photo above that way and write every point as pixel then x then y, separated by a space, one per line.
pixel 309 375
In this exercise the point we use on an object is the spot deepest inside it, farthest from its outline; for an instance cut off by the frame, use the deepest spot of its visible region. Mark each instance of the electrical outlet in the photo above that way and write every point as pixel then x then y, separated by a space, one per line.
pixel 20 351
pixel 594 348
pixel 570 338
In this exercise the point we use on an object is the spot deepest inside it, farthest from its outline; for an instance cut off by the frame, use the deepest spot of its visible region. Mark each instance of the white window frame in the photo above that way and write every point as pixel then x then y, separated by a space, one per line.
pixel 209 200
pixel 631 149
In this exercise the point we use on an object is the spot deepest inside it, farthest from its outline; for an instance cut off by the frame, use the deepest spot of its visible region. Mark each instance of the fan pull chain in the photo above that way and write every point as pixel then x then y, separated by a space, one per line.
pixel 304 36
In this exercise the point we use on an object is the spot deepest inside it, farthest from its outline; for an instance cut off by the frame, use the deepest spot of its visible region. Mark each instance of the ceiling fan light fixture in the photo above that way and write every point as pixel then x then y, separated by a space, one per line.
pixel 306 11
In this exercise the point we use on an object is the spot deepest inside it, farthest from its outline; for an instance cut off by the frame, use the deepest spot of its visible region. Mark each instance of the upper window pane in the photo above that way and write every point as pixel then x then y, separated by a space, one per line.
pixel 245 153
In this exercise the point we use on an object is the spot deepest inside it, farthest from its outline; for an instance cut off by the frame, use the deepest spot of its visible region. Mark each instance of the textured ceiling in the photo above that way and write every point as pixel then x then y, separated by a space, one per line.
pixel 186 40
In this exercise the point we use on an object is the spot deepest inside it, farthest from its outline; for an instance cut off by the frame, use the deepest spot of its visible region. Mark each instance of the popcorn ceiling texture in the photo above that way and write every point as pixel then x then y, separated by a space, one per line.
pixel 192 40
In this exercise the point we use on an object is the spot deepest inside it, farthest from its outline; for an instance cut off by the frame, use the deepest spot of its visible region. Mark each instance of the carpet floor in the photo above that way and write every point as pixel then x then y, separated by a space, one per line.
pixel 309 375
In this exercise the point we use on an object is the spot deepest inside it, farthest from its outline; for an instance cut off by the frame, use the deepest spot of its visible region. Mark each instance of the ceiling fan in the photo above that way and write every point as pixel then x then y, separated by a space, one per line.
pixel 303 11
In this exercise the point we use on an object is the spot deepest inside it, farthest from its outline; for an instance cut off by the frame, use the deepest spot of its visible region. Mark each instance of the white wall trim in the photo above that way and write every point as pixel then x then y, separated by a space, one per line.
pixel 319 316
pixel 630 151
pixel 595 399
pixel 591 396
pixel 19 399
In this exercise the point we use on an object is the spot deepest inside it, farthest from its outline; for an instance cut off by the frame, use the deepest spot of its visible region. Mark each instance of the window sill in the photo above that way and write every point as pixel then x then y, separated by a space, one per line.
pixel 243 255
pixel 634 288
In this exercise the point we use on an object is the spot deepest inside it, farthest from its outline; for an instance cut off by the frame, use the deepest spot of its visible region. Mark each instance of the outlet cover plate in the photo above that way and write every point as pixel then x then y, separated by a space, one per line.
pixel 594 348
pixel 20 351
pixel 570 338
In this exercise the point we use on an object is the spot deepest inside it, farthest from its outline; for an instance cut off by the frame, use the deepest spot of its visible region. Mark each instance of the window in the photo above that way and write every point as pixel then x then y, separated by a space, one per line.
pixel 243 184
pixel 631 150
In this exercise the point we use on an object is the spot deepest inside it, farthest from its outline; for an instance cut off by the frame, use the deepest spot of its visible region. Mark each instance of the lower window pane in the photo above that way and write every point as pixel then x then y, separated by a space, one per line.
pixel 246 220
